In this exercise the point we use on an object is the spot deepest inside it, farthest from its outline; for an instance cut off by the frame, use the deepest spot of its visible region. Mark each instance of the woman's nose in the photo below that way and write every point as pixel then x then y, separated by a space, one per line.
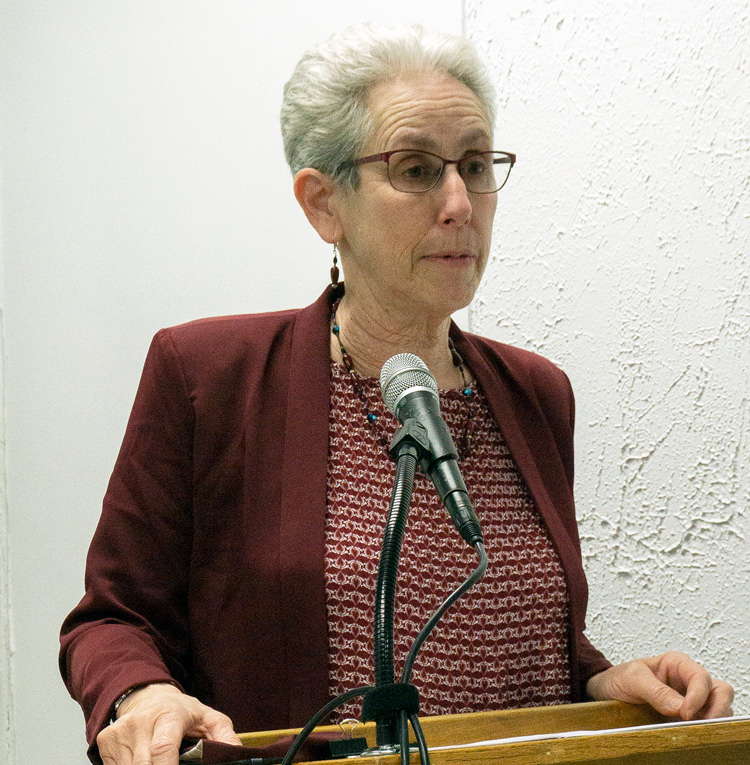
pixel 456 205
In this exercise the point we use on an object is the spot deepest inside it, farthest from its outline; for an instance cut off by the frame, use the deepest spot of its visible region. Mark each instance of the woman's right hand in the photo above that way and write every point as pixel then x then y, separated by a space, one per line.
pixel 152 722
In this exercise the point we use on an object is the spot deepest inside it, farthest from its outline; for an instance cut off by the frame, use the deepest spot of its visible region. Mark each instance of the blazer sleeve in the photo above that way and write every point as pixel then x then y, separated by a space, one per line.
pixel 131 627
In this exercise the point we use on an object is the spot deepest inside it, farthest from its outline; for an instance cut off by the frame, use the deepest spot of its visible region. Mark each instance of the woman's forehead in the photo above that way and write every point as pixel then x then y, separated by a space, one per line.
pixel 426 108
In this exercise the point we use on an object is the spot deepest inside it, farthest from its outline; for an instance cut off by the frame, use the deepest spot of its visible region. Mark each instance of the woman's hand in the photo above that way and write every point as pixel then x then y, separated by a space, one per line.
pixel 152 722
pixel 671 683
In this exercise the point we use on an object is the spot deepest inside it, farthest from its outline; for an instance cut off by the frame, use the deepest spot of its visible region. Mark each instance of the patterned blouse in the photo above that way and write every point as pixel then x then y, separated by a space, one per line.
pixel 504 644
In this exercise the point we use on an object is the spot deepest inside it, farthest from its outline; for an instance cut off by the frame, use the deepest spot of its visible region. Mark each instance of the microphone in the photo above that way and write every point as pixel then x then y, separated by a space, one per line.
pixel 410 392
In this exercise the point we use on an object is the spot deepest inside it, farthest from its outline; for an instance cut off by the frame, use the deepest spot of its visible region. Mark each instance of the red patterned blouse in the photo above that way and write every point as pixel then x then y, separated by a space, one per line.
pixel 505 643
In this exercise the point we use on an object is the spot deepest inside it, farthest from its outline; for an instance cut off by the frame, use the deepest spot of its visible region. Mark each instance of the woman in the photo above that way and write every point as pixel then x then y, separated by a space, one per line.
pixel 231 574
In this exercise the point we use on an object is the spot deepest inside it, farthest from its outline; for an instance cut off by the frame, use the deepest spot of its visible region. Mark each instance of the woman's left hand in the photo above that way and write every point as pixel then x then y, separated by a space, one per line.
pixel 672 683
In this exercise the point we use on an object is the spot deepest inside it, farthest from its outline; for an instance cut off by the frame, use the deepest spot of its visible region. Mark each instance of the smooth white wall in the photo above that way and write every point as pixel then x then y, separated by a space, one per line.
pixel 143 185
pixel 621 251
pixel 6 702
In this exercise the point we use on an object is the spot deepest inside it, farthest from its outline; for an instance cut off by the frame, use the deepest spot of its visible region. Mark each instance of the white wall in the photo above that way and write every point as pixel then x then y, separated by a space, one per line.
pixel 143 185
pixel 6 702
pixel 622 252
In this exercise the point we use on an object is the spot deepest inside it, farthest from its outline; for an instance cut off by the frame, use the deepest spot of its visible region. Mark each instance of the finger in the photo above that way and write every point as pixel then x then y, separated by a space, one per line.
pixel 115 756
pixel 674 669
pixel 719 702
pixel 650 684
pixel 214 725
pixel 699 688
pixel 704 695
pixel 637 683
pixel 661 697
pixel 223 731
pixel 164 747
pixel 692 679
pixel 114 747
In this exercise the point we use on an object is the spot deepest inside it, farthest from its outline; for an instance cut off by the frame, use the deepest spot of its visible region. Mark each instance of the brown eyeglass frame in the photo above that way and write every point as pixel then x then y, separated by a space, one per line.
pixel 506 157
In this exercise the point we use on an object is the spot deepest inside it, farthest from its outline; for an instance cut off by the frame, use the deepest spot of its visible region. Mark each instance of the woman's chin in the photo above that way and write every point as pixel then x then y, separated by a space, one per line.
pixel 447 301
pixel 454 284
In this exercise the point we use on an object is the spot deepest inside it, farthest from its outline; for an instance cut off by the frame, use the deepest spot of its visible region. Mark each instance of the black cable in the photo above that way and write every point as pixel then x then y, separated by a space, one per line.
pixel 446 604
pixel 424 755
pixel 404 719
pixel 403 729
pixel 317 717
pixel 475 576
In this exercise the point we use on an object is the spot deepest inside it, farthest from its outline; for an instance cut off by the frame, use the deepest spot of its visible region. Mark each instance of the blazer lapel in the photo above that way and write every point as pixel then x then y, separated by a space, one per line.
pixel 303 509
pixel 516 410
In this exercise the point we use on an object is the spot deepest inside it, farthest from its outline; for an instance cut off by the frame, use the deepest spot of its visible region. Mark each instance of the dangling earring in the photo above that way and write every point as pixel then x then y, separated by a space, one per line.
pixel 335 267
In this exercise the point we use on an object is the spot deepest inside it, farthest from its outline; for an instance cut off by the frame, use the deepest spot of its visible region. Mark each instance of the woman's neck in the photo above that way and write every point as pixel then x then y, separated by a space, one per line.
pixel 371 337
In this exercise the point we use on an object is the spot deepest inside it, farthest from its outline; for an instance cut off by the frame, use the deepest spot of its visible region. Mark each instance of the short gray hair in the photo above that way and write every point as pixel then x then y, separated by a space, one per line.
pixel 324 115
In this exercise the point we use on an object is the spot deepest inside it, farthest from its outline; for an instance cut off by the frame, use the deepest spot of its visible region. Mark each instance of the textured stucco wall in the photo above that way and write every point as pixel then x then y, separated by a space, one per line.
pixel 621 252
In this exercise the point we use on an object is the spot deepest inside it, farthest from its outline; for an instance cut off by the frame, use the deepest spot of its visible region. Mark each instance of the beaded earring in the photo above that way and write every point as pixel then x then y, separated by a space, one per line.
pixel 335 267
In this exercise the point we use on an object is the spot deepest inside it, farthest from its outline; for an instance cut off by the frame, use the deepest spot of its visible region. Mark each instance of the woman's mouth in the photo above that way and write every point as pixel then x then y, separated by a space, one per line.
pixel 453 258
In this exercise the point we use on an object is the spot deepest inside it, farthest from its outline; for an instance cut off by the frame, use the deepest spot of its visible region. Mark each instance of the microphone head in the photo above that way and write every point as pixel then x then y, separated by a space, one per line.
pixel 402 374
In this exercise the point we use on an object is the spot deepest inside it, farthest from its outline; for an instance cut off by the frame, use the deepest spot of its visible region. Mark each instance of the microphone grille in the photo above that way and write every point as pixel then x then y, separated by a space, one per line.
pixel 401 372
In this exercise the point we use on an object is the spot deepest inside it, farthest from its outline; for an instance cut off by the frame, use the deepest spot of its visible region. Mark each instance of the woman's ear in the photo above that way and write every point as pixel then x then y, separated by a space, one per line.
pixel 314 191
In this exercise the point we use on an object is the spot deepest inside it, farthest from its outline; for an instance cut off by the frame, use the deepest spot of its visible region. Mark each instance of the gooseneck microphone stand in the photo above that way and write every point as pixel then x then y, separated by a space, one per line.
pixel 387 700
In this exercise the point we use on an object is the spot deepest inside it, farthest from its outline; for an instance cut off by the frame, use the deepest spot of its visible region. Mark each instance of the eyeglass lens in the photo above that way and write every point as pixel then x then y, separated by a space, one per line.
pixel 415 171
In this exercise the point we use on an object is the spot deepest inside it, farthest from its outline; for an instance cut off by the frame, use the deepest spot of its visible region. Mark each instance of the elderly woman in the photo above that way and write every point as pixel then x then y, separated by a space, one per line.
pixel 231 577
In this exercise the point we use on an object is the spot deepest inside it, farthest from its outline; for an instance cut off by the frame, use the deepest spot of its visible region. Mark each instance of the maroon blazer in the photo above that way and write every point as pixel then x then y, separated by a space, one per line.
pixel 206 567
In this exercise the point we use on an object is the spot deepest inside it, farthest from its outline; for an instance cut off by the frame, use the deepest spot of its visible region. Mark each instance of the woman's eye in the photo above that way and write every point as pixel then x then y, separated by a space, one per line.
pixel 414 166
pixel 475 167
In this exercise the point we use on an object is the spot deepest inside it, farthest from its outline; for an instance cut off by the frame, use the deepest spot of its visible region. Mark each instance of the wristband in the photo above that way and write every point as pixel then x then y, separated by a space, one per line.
pixel 132 690
pixel 119 701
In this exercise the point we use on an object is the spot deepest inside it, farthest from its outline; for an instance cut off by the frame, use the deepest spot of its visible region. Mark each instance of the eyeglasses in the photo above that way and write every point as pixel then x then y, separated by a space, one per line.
pixel 412 171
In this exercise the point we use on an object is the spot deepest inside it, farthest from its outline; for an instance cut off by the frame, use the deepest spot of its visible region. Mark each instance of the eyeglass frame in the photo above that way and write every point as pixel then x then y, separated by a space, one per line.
pixel 384 156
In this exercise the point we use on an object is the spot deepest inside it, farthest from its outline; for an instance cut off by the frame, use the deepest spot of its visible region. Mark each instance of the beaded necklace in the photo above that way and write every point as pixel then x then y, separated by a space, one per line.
pixel 465 442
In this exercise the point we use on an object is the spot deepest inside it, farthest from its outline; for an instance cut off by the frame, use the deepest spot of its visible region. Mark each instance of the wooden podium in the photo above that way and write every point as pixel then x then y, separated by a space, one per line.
pixel 724 743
